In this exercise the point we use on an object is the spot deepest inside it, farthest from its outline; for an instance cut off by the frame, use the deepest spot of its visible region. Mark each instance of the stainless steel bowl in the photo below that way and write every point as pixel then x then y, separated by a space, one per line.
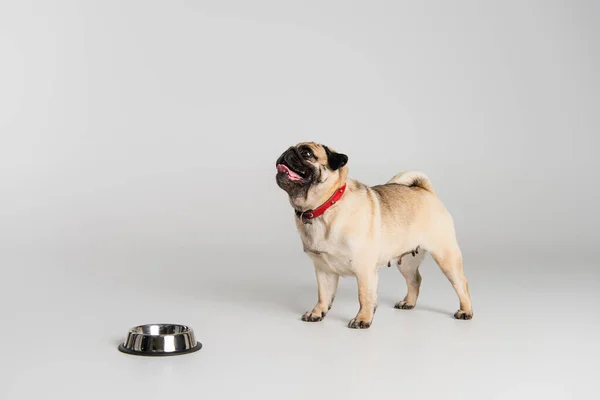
pixel 160 340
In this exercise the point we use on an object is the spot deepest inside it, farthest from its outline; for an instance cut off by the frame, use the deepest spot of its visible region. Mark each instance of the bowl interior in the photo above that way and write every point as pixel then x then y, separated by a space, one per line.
pixel 161 329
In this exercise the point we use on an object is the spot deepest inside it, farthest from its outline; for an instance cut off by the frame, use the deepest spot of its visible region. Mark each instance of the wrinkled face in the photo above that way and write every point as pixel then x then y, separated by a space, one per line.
pixel 306 165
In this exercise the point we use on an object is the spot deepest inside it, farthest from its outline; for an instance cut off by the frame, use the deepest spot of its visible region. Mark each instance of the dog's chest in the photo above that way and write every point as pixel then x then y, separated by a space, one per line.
pixel 327 248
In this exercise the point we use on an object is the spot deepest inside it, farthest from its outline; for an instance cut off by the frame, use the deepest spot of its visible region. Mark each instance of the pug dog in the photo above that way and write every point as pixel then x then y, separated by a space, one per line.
pixel 348 228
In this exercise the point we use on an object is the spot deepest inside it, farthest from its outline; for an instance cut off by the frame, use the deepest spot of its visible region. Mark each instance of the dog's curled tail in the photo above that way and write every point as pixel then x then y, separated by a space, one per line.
pixel 413 178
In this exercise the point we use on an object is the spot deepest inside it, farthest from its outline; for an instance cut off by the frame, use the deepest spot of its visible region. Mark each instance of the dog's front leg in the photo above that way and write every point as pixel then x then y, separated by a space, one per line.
pixel 367 296
pixel 327 284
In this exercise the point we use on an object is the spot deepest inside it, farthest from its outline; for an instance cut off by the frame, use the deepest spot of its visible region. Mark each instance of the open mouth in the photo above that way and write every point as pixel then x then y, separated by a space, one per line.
pixel 292 175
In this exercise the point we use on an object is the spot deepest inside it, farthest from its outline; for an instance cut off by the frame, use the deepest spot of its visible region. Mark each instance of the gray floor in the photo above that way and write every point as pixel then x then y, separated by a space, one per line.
pixel 534 334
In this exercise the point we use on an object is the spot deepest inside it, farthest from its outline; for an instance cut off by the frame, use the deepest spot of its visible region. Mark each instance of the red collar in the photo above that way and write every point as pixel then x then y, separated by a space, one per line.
pixel 306 216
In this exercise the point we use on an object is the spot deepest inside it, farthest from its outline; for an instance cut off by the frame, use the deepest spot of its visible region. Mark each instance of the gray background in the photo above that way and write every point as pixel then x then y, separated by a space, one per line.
pixel 137 150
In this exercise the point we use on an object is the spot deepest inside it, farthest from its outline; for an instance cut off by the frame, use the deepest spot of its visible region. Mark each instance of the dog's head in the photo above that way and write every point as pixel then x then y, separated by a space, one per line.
pixel 309 166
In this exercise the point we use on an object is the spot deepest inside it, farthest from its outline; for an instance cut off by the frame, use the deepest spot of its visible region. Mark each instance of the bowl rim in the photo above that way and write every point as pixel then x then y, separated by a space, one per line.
pixel 188 330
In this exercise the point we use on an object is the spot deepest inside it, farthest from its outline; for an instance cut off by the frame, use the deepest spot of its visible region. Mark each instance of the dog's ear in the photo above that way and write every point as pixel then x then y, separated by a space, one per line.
pixel 335 160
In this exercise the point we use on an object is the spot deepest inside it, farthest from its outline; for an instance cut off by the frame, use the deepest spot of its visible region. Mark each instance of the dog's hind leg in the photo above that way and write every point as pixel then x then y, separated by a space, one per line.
pixel 450 261
pixel 408 264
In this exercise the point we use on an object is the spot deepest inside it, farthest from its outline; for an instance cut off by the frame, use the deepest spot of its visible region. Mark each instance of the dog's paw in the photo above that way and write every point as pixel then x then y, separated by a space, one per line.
pixel 404 305
pixel 357 323
pixel 460 314
pixel 312 317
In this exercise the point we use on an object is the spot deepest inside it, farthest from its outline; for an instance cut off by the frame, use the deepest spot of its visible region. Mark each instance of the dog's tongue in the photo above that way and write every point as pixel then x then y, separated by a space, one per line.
pixel 291 174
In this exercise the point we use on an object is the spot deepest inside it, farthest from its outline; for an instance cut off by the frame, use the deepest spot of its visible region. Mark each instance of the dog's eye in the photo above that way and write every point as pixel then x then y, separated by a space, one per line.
pixel 306 154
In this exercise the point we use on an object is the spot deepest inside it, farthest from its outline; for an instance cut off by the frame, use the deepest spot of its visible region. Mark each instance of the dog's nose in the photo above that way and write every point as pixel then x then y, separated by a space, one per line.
pixel 283 155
